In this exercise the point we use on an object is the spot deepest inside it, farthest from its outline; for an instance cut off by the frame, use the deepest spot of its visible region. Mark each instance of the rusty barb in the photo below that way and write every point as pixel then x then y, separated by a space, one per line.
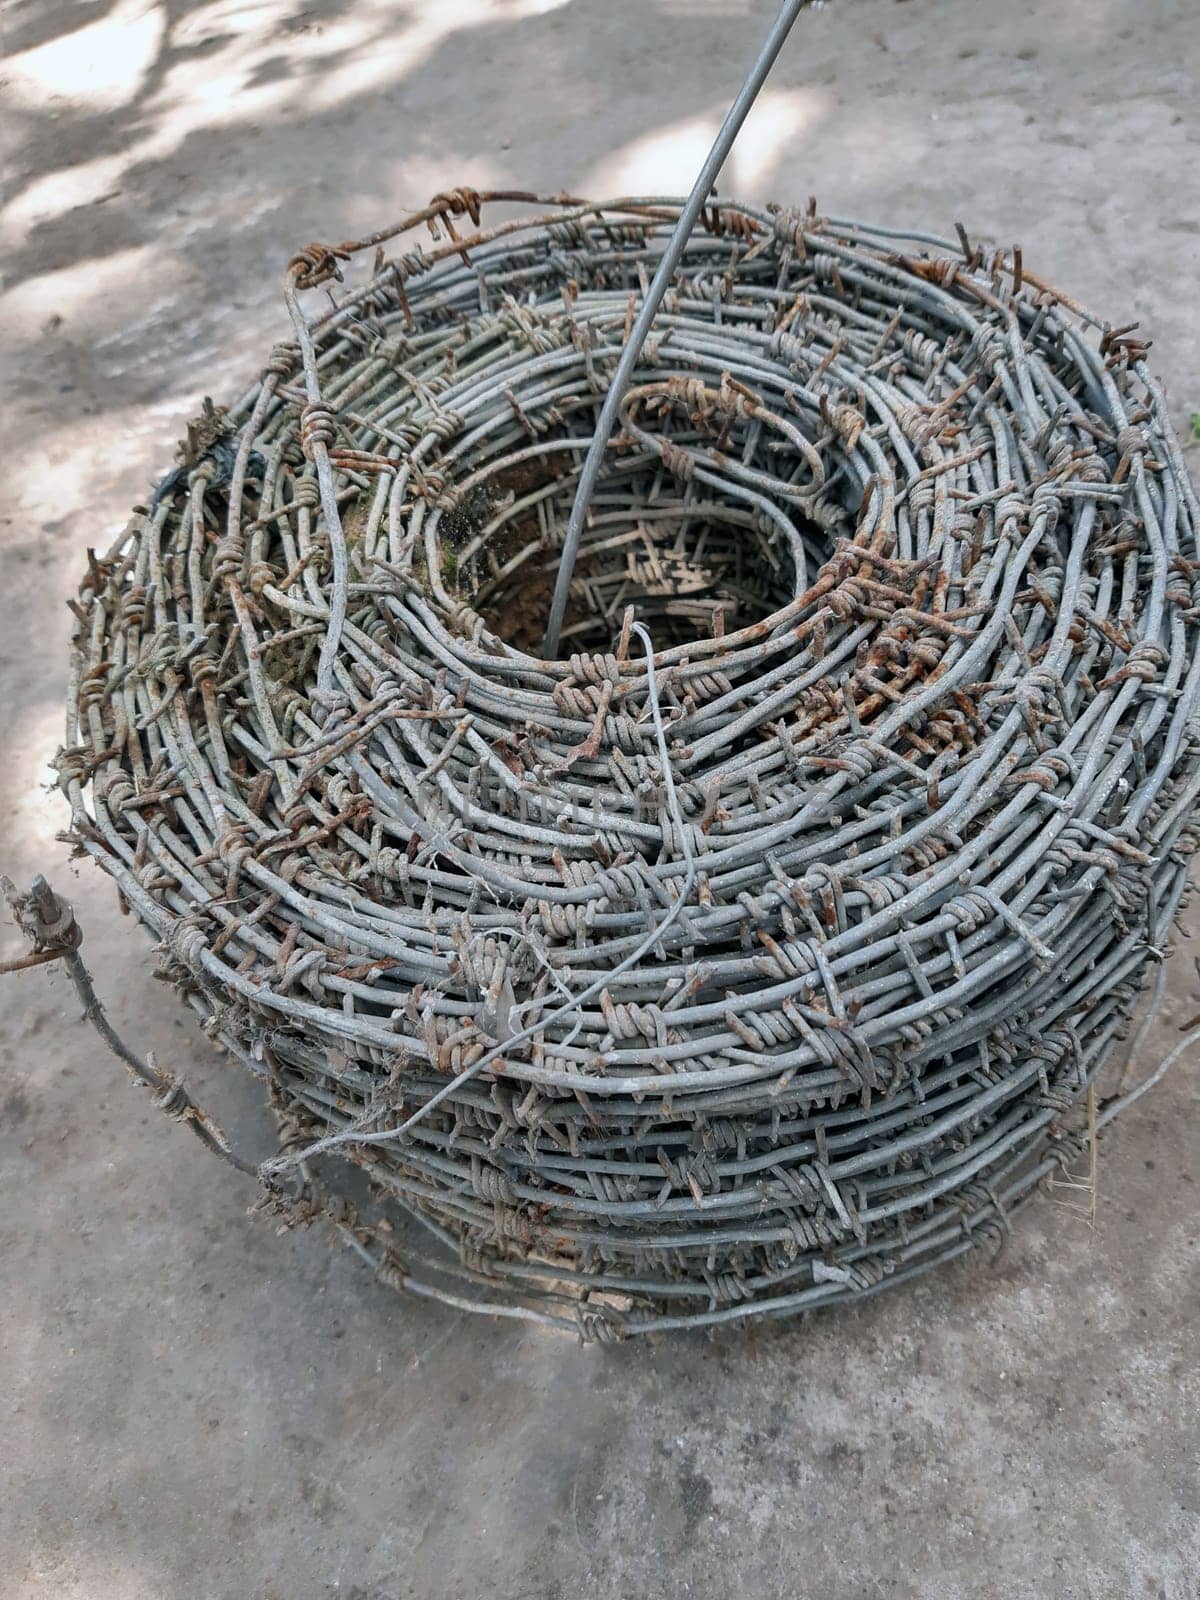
pixel 45 920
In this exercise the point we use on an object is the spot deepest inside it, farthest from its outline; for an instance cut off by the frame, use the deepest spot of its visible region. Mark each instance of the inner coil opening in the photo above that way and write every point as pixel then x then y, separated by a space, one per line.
pixel 692 560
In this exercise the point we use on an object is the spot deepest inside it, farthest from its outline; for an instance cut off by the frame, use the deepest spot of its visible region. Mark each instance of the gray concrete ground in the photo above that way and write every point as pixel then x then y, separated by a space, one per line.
pixel 196 1408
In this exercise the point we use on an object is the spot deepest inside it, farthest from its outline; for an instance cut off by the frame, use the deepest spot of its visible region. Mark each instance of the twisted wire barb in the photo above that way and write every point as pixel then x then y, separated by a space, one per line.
pixel 759 972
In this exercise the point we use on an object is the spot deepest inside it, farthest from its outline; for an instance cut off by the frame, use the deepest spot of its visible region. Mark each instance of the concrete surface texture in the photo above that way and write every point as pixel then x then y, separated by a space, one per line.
pixel 197 1408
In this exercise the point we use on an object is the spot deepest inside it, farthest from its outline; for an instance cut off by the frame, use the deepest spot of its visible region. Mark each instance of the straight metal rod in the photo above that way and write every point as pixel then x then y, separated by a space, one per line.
pixel 715 160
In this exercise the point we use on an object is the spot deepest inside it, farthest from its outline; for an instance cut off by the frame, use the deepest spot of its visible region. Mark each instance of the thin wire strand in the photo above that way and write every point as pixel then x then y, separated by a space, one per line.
pixel 707 177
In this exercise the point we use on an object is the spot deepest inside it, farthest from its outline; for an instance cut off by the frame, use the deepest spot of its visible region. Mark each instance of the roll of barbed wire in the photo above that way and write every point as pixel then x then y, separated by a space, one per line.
pixel 765 948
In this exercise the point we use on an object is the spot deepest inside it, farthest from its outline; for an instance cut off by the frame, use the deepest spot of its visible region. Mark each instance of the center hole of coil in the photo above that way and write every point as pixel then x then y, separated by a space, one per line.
pixel 690 561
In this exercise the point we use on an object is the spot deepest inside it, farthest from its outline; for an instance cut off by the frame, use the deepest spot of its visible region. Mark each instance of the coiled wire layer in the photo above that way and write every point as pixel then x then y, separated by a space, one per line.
pixel 918 553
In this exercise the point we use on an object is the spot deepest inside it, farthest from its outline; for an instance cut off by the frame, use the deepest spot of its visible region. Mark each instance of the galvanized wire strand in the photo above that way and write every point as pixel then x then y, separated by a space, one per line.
pixel 668 261
pixel 748 974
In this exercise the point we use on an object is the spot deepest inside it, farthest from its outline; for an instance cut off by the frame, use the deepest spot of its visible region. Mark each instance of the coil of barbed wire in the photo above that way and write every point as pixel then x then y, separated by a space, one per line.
pixel 765 948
